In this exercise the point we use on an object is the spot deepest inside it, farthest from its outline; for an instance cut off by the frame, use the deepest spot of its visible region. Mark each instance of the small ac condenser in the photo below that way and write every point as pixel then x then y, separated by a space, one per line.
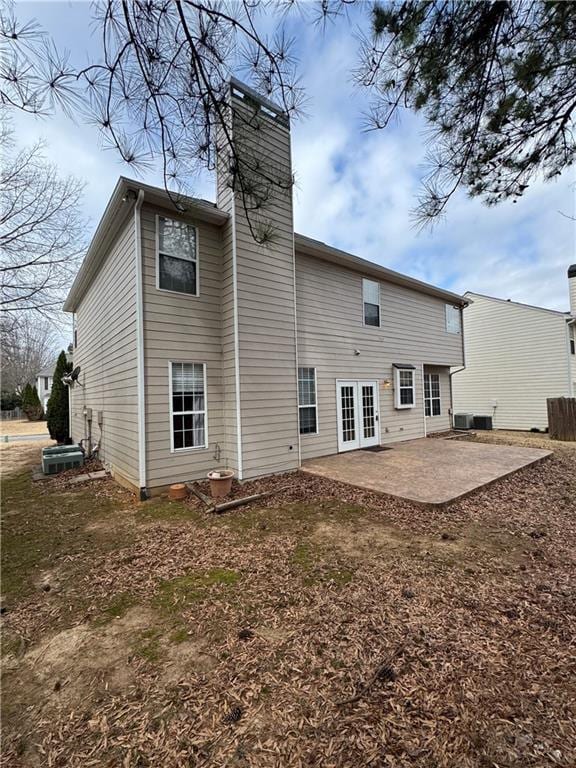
pixel 58 462
pixel 463 420
pixel 482 422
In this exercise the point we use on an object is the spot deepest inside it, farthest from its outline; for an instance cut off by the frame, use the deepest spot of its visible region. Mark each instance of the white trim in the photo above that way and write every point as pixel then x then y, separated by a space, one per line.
pixel 360 441
pixel 424 400
pixel 157 218
pixel 194 448
pixel 431 398
pixel 236 343
pixel 364 302
pixel 141 385
pixel 570 324
pixel 296 328
pixel 315 406
pixel 399 406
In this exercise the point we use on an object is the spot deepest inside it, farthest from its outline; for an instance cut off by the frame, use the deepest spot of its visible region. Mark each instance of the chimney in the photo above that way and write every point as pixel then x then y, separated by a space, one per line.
pixel 254 185
pixel 572 288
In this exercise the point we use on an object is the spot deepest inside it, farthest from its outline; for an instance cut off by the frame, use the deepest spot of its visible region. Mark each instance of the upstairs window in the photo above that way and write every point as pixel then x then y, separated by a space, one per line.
pixel 177 257
pixel 307 405
pixel 188 405
pixel 572 340
pixel 46 382
pixel 371 299
pixel 432 399
pixel 404 386
pixel 453 319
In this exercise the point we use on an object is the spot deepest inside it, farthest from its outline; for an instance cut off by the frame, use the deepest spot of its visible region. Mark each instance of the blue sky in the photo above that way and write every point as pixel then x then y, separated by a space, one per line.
pixel 354 190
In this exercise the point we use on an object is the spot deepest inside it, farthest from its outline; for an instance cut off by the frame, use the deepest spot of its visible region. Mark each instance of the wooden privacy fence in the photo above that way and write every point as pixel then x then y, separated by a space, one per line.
pixel 562 418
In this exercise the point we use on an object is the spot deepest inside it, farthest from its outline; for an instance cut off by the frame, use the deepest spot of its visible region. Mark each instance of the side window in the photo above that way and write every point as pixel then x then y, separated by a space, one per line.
pixel 572 340
pixel 404 387
pixel 188 405
pixel 307 403
pixel 177 257
pixel 453 319
pixel 432 398
pixel 371 301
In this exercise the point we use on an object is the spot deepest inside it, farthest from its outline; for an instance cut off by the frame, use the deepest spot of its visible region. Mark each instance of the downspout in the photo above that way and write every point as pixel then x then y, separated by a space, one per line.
pixel 423 401
pixel 140 349
pixel 568 324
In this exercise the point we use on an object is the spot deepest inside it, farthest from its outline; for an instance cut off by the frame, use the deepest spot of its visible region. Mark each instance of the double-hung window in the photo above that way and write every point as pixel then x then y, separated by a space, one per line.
pixel 177 256
pixel 307 403
pixel 371 301
pixel 188 405
pixel 453 319
pixel 404 386
pixel 432 399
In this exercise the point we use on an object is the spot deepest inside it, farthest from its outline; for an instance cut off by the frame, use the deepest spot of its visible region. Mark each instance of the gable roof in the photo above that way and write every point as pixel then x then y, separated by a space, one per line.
pixel 519 304
pixel 117 211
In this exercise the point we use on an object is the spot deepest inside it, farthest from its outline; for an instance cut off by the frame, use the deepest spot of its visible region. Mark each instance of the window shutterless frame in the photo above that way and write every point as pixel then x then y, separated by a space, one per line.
pixel 400 385
pixel 315 405
pixel 157 259
pixel 206 443
pixel 371 297
pixel 432 381
pixel 453 318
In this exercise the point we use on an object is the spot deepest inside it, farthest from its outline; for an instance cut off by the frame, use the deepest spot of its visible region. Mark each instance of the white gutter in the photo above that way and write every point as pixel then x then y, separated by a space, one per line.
pixel 569 353
pixel 140 348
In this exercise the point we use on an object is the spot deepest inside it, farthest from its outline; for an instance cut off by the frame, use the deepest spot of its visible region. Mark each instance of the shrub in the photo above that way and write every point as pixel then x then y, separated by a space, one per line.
pixel 57 414
pixel 34 409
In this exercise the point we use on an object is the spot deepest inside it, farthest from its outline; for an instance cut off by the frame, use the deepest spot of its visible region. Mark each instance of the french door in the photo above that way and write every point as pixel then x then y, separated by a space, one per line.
pixel 358 414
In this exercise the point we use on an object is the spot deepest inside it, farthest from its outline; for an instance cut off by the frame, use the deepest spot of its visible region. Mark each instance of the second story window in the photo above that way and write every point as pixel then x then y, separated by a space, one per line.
pixel 453 319
pixel 572 340
pixel 371 299
pixel 45 382
pixel 177 257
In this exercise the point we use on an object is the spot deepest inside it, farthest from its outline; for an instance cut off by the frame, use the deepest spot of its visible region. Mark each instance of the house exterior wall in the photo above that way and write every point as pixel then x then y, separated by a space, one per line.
pixel 105 321
pixel 330 329
pixel 181 328
pixel 516 357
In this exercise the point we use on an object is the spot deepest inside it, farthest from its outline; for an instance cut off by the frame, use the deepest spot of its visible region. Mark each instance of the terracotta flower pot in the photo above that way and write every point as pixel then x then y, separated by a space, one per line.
pixel 177 492
pixel 220 482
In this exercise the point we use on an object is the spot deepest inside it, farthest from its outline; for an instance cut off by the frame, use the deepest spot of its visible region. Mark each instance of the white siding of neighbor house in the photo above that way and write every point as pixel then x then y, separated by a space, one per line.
pixel 264 303
pixel 330 329
pixel 516 357
pixel 182 328
pixel 105 321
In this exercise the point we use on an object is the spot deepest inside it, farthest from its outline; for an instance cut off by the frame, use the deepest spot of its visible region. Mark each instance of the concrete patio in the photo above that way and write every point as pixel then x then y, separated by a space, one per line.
pixel 428 471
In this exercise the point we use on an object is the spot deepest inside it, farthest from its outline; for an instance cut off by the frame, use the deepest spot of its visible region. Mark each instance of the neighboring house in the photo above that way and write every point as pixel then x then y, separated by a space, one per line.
pixel 517 356
pixel 44 384
pixel 200 348
pixel 44 380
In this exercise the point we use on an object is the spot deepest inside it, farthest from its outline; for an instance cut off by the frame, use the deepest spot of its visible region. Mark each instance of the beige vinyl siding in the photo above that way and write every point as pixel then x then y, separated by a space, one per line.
pixel 105 321
pixel 330 329
pixel 181 328
pixel 265 312
pixel 516 357
pixel 444 421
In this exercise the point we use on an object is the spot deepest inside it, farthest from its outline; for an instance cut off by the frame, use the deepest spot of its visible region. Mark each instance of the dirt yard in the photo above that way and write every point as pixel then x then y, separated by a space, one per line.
pixel 327 627
pixel 23 427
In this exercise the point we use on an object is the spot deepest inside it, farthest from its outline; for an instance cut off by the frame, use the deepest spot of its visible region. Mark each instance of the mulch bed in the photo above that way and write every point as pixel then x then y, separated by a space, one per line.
pixel 425 657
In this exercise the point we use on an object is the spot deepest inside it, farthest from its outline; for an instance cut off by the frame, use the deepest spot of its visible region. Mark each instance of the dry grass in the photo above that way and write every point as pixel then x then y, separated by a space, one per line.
pixel 23 427
pixel 171 638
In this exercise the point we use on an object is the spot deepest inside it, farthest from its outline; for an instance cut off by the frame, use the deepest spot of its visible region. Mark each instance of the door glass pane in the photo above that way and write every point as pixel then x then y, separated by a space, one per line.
pixel 348 414
pixel 368 420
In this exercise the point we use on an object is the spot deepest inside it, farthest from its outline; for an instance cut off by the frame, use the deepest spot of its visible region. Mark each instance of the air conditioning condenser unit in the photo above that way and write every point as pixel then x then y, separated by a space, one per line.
pixel 463 420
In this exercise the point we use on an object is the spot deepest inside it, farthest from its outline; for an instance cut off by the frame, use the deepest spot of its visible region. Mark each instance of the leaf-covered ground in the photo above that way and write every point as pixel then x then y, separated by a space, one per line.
pixel 326 627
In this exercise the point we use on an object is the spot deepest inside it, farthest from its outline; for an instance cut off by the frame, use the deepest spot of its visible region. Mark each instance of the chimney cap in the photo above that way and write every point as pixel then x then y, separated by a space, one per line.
pixel 572 270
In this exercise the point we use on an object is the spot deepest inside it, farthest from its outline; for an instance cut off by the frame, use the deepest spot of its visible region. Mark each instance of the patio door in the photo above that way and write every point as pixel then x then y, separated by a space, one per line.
pixel 358 414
